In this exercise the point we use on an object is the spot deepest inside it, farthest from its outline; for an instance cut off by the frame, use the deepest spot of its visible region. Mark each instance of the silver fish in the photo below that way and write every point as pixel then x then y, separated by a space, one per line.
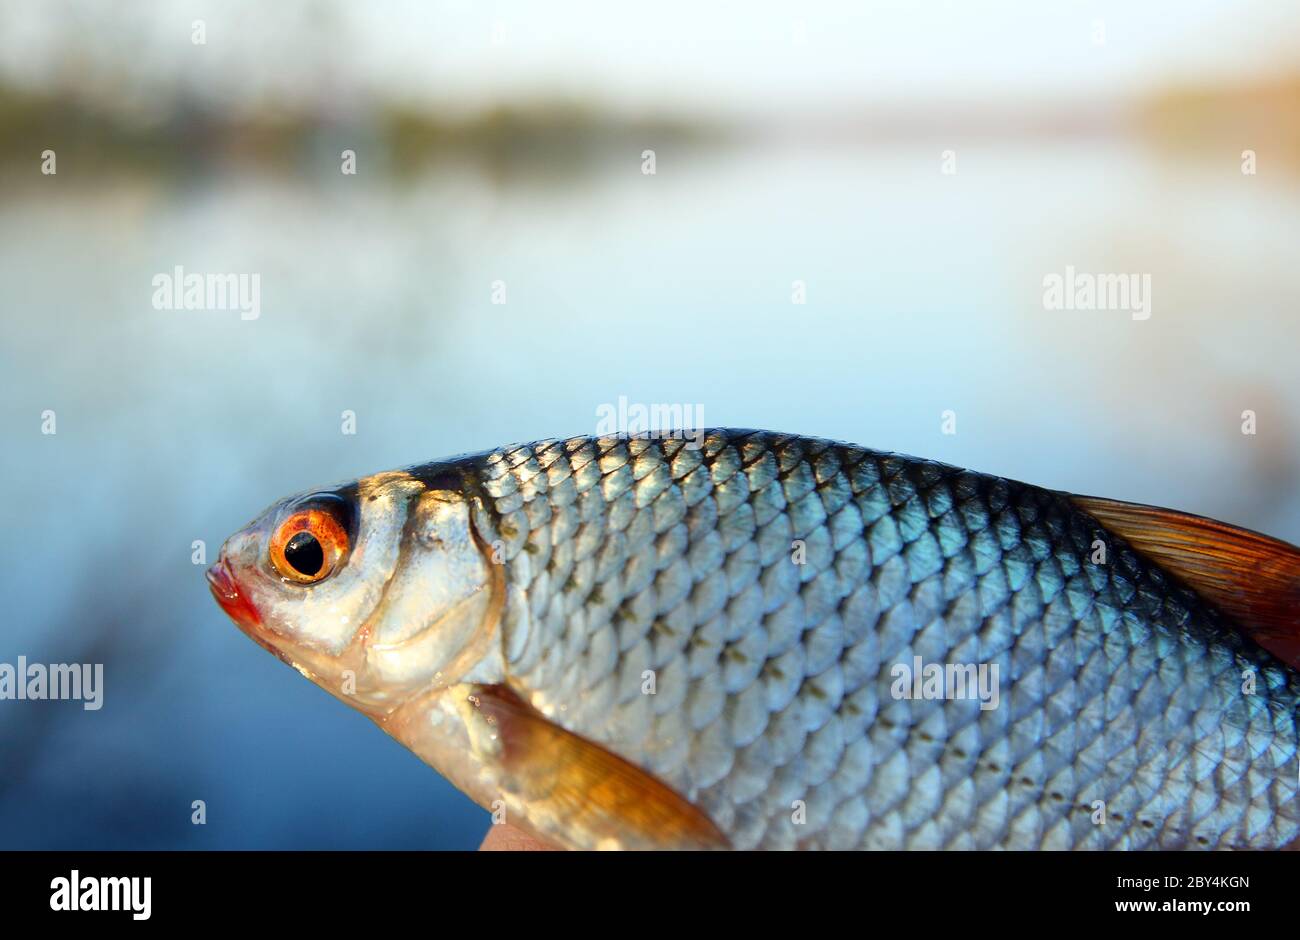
pixel 759 640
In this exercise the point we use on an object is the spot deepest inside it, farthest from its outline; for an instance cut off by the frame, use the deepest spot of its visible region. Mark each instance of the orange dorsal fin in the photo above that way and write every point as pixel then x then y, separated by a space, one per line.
pixel 583 792
pixel 1253 578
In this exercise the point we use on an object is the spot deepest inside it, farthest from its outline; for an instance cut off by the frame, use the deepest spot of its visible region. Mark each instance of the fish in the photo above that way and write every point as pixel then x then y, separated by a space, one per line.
pixel 758 640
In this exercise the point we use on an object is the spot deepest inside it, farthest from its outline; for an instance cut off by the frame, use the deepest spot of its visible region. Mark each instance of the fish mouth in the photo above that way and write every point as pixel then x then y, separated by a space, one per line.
pixel 226 591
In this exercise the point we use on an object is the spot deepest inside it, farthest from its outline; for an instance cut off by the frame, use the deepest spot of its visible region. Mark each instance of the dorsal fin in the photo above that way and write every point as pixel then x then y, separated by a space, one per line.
pixel 1253 578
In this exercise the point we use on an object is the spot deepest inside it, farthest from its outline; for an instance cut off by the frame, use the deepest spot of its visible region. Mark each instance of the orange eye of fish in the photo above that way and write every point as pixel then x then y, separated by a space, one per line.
pixel 308 546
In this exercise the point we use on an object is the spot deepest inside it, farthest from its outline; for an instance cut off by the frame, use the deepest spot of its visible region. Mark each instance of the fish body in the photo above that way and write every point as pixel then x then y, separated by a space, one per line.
pixel 760 640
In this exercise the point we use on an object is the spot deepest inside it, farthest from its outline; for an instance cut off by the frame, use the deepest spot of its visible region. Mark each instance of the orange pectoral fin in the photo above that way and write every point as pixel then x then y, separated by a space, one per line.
pixel 578 792
pixel 1253 578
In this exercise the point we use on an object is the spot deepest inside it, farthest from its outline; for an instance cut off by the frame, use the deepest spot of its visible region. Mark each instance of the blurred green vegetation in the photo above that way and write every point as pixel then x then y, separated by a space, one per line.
pixel 544 139
pixel 548 139
pixel 553 138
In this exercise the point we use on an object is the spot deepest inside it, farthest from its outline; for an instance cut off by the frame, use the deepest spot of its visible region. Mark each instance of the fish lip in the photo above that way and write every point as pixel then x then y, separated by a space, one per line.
pixel 225 588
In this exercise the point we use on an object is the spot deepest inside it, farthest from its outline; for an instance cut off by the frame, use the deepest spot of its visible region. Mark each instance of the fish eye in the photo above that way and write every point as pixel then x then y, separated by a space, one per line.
pixel 304 554
pixel 308 546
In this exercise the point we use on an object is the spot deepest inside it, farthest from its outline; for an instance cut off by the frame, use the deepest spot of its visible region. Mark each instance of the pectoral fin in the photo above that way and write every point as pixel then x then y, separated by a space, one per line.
pixel 1253 578
pixel 576 793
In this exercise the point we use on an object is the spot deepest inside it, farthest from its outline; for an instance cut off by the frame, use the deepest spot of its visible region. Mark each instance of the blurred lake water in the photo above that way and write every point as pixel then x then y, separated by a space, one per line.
pixel 924 294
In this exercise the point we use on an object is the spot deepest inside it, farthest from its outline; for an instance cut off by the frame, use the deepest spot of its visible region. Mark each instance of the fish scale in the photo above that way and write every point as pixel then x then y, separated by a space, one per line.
pixel 637 558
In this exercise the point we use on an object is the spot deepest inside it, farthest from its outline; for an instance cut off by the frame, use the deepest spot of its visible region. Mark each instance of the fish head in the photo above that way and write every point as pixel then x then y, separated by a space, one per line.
pixel 377 591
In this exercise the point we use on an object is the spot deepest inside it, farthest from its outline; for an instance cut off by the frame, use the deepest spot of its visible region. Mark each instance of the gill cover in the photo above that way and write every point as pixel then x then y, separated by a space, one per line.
pixel 438 623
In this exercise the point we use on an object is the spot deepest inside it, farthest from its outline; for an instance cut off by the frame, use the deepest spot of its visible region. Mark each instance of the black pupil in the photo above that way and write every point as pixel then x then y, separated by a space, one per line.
pixel 305 553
